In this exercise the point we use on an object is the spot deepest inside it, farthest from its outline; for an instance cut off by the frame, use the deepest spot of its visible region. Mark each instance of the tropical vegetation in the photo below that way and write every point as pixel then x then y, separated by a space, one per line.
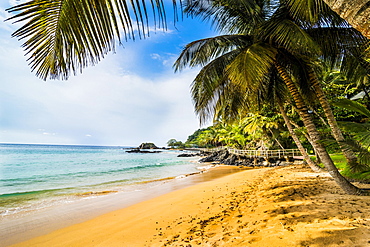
pixel 263 47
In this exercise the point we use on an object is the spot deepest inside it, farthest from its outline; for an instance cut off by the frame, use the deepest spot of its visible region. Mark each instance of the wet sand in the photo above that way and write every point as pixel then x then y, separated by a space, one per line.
pixel 284 206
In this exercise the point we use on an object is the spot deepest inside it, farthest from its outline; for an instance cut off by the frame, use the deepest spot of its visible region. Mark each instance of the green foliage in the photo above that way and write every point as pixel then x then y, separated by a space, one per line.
pixel 173 143
pixel 253 131
pixel 337 87
pixel 341 163
pixel 360 133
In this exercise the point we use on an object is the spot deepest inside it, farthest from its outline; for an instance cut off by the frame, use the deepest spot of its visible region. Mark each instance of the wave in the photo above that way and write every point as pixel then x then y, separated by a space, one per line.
pixel 11 182
pixel 66 189
pixel 30 193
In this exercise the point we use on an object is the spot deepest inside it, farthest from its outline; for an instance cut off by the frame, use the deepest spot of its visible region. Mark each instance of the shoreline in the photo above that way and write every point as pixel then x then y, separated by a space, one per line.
pixel 17 228
pixel 281 206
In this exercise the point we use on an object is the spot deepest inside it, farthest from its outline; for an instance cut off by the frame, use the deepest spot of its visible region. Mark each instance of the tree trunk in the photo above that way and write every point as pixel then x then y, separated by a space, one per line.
pixel 355 12
pixel 315 136
pixel 318 161
pixel 306 157
pixel 337 133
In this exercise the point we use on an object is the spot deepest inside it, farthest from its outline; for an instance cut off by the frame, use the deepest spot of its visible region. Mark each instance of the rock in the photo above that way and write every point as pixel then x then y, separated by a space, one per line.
pixel 188 155
pixel 136 150
pixel 224 157
pixel 231 159
pixel 210 158
pixel 148 145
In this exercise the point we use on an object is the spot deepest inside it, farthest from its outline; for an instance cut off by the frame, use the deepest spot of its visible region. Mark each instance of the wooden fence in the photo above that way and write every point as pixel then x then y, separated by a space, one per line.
pixel 281 153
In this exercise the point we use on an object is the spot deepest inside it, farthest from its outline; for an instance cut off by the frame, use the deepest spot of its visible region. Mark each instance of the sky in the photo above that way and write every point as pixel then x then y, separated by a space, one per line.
pixel 130 97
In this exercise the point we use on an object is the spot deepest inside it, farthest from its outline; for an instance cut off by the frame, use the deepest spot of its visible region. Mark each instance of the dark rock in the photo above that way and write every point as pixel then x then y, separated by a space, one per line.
pixel 224 157
pixel 188 155
pixel 136 150
pixel 210 158
pixel 231 160
pixel 148 145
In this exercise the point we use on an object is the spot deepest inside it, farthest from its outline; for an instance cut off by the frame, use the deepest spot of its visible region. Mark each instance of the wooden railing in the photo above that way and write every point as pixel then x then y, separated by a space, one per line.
pixel 281 153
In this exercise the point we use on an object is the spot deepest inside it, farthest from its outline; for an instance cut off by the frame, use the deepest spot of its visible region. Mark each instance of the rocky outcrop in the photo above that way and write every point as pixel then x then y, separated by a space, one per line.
pixel 188 155
pixel 137 150
pixel 226 158
pixel 148 145
pixel 194 154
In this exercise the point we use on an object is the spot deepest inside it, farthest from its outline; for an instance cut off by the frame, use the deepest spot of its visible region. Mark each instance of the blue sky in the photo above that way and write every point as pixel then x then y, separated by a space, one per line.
pixel 130 97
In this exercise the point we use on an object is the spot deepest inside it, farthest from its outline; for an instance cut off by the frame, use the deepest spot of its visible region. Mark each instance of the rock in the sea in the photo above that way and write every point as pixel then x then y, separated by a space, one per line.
pixel 136 150
pixel 148 145
pixel 188 155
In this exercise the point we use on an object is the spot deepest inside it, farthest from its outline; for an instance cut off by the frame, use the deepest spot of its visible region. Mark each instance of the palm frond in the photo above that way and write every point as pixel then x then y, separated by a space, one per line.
pixel 313 13
pixel 286 34
pixel 202 51
pixel 363 154
pixel 352 106
pixel 252 66
pixel 235 16
pixel 338 43
pixel 231 102
pixel 356 70
pixel 208 85
pixel 64 36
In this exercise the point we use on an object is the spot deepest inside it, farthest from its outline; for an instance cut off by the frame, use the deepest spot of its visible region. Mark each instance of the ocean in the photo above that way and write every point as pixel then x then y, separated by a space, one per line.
pixel 34 177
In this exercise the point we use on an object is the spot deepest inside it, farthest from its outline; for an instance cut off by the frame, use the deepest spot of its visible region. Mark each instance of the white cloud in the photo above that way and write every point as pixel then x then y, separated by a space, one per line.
pixel 155 56
pixel 114 108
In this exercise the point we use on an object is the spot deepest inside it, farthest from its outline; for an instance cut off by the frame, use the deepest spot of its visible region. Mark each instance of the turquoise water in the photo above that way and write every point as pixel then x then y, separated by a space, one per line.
pixel 39 176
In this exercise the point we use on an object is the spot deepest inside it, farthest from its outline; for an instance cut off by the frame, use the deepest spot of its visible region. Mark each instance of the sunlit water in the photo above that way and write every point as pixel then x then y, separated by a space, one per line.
pixel 39 176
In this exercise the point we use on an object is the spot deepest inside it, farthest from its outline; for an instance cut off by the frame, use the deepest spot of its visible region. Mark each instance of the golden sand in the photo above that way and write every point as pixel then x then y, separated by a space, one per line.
pixel 285 206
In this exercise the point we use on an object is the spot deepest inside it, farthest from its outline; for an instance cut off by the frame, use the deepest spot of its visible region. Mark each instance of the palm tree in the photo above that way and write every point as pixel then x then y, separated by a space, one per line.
pixel 65 36
pixel 338 43
pixel 208 137
pixel 305 155
pixel 261 127
pixel 276 43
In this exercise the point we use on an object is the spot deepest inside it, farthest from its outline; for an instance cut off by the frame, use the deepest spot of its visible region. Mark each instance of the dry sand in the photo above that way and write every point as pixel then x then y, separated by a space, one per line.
pixel 285 206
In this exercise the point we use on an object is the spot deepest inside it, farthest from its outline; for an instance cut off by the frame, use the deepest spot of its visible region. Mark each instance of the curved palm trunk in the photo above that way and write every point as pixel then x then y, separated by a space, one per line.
pixel 318 161
pixel 306 157
pixel 315 137
pixel 356 12
pixel 337 133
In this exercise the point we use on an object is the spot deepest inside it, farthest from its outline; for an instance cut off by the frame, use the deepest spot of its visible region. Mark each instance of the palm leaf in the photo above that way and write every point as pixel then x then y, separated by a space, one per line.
pixel 202 51
pixel 338 43
pixel 209 84
pixel 252 66
pixel 363 154
pixel 313 13
pixel 235 16
pixel 64 36
pixel 352 106
pixel 282 32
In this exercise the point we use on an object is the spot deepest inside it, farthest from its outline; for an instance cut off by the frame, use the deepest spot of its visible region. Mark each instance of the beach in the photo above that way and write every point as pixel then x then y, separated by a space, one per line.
pixel 283 206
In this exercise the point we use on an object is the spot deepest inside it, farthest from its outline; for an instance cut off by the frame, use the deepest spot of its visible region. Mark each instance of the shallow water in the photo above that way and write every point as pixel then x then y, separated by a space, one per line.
pixel 39 176
pixel 34 204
